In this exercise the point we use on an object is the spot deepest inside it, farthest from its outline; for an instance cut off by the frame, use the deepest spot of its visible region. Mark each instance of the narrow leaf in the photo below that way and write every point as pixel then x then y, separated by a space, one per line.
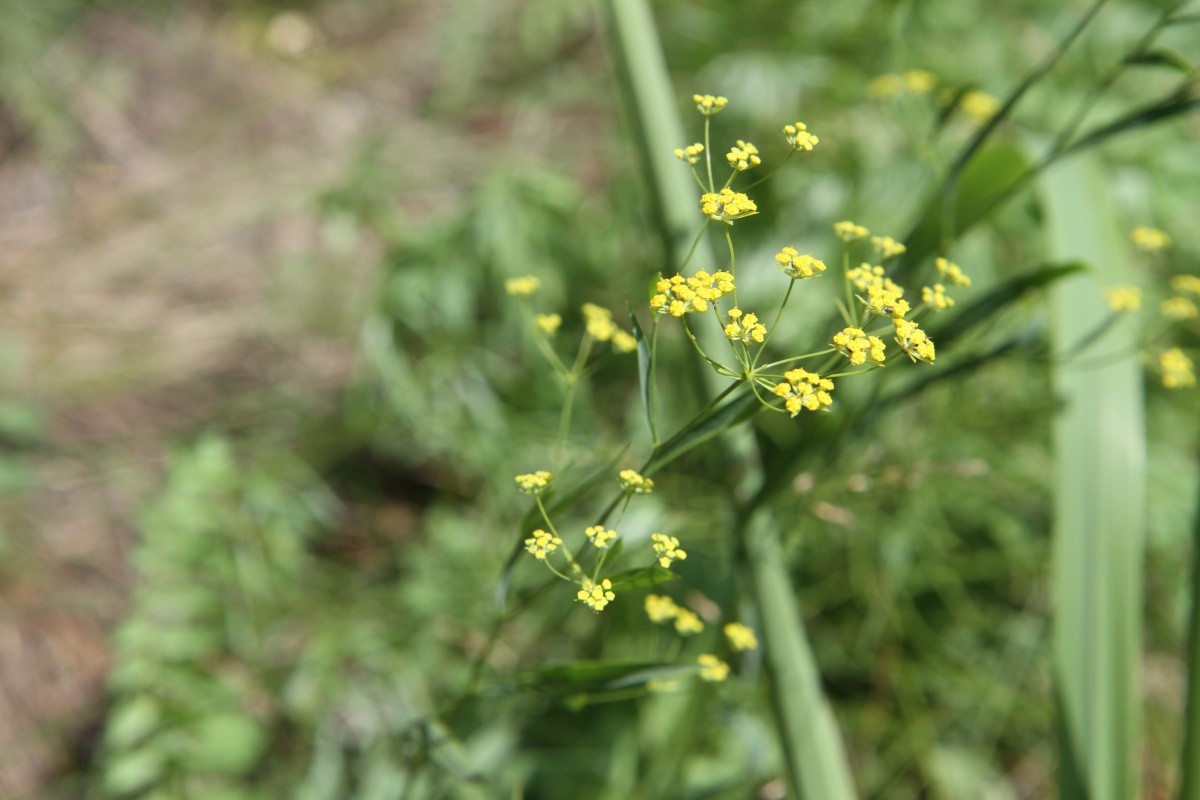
pixel 1099 520
pixel 642 577
pixel 645 366
pixel 725 416
pixel 816 757
pixel 1162 58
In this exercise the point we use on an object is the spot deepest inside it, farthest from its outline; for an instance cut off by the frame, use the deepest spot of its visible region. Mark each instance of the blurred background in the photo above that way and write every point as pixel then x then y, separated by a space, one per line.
pixel 264 397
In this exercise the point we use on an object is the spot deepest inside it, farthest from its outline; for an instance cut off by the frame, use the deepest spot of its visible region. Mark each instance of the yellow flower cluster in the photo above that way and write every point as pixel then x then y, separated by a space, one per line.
pixel 799 138
pixel 1149 239
pixel 708 105
pixel 600 537
pixel 678 296
pixel 804 390
pixel 600 326
pixel 541 544
pixel 858 346
pixel 914 341
pixel 666 549
pixel 744 328
pixel 1176 369
pixel 979 106
pixel 935 297
pixel 596 595
pixel 1186 283
pixel 1123 298
pixel 661 609
pixel 952 273
pixel 798 266
pixel 712 669
pixel 741 637
pixel 1178 308
pixel 886 302
pixel 548 323
pixel 848 232
pixel 727 205
pixel 743 157
pixel 916 81
pixel 866 275
pixel 691 153
pixel 633 483
pixel 534 483
pixel 887 246
pixel 522 286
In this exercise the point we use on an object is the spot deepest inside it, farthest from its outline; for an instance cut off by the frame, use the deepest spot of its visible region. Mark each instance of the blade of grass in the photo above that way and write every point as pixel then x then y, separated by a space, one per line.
pixel 1099 523
pixel 1189 788
pixel 815 754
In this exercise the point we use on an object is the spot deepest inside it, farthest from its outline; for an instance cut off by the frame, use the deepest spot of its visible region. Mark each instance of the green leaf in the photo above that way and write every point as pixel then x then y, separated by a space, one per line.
pixel 132 772
pixel 1162 58
pixel 132 721
pixel 1179 103
pixel 642 577
pixel 720 419
pixel 593 675
pixel 1099 520
pixel 224 744
pixel 816 756
pixel 998 298
pixel 987 178
pixel 645 364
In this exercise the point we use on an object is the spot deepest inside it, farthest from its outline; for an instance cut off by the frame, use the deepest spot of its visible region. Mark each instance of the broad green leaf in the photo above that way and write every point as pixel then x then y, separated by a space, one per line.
pixel 1099 519
pixel 986 179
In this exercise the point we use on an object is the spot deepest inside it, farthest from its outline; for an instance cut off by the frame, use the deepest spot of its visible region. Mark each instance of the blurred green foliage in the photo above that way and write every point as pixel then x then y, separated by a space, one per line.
pixel 310 600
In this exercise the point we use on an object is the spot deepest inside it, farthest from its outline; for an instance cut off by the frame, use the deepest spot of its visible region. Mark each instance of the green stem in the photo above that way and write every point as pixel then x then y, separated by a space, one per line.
pixel 774 324
pixel 778 167
pixel 1189 788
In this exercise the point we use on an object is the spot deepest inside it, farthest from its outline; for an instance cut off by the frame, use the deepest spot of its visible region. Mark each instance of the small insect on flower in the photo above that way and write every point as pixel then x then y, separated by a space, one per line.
pixel 885 302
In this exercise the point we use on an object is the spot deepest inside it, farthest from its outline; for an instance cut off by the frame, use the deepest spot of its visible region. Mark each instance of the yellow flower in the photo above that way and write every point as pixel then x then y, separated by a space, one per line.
pixel 804 390
pixel 541 544
pixel 886 85
pixel 918 81
pixel 1176 369
pixel 596 595
pixel 847 231
pixel 678 296
pixel 660 609
pixel 740 636
pixel 623 342
pixel 979 106
pixel 548 323
pixel 534 483
pixel 1186 283
pixel 798 266
pixel 708 105
pixel 600 325
pixel 743 157
pixel 1149 239
pixel 935 297
pixel 885 302
pixel 712 669
pixel 858 347
pixel 666 549
pixel 633 483
pixel 745 328
pixel 687 623
pixel 691 153
pixel 799 138
pixel 727 205
pixel 866 275
pixel 1123 298
pixel 1178 308
pixel 914 341
pixel 523 286
pixel 952 273
pixel 600 537
pixel 887 246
